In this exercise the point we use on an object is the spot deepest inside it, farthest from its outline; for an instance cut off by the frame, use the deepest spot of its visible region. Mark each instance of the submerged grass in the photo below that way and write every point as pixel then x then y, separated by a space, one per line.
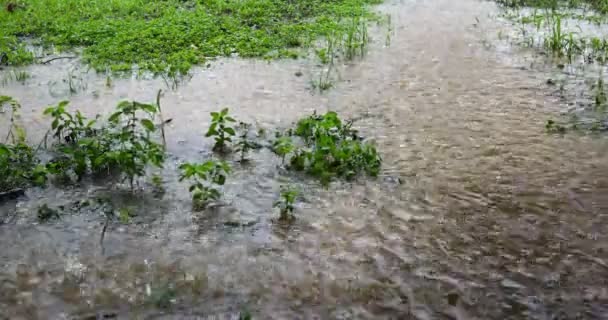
pixel 557 30
pixel 168 36
pixel 598 5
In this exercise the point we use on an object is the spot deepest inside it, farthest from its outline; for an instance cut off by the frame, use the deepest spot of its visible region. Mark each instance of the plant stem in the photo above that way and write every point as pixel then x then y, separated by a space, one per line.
pixel 162 121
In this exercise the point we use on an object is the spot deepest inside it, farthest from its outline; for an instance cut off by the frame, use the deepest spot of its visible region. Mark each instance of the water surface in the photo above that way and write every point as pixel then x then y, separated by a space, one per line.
pixel 477 214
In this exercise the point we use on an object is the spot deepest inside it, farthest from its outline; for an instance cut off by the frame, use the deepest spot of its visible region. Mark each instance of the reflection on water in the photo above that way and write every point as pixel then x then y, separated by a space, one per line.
pixel 477 214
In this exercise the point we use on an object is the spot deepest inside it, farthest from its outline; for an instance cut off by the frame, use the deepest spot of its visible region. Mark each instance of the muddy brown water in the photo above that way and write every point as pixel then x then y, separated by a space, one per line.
pixel 478 213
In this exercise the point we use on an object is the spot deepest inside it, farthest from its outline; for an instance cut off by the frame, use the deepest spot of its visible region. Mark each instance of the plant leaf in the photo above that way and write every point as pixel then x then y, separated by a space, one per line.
pixel 147 124
pixel 114 117
pixel 229 131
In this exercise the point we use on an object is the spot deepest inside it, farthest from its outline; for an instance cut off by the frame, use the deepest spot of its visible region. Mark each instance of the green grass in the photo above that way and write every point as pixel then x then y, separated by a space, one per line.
pixel 169 36
pixel 598 5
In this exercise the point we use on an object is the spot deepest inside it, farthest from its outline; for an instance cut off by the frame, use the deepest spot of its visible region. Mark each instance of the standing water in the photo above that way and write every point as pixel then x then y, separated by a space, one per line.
pixel 477 213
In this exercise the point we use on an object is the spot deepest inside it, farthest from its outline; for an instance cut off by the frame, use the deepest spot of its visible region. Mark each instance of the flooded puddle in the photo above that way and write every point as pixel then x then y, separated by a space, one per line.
pixel 478 213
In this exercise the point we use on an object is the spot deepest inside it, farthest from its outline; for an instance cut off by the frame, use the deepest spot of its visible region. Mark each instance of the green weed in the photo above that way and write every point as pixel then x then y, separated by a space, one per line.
pixel 205 178
pixel 555 41
pixel 285 203
pixel 556 38
pixel 220 129
pixel 332 149
pixel 244 144
pixel 69 128
pixel 133 147
pixel 125 145
pixel 19 167
pixel 12 51
pixel 282 147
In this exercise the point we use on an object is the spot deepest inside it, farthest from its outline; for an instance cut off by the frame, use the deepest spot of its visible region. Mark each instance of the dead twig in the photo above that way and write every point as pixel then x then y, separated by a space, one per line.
pixel 57 58
pixel 44 140
pixel 103 232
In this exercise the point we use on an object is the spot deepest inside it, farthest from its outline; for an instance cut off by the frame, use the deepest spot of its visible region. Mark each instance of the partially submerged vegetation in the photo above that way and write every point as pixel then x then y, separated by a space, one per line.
pixel 124 146
pixel 286 202
pixel 340 44
pixel 332 149
pixel 598 5
pixel 128 143
pixel 554 27
pixel 171 36
pixel 205 178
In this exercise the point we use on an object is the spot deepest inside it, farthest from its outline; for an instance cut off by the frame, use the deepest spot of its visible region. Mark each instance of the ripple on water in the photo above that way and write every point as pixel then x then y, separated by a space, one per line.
pixel 477 213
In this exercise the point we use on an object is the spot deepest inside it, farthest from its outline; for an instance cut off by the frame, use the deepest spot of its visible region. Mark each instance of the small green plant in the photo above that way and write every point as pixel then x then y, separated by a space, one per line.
pixel 80 145
pixel 130 136
pixel 323 55
pixel 244 144
pixel 77 159
pixel 286 202
pixel 282 147
pixel 557 37
pixel 205 178
pixel 66 127
pixel 220 129
pixel 125 146
pixel 19 167
pixel 333 149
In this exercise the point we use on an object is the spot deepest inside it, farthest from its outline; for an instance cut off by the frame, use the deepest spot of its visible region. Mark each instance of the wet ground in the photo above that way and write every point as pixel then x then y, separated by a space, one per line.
pixel 477 214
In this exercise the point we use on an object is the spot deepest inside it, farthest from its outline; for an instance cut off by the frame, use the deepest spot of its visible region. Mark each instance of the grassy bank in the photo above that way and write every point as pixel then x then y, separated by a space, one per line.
pixel 167 36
